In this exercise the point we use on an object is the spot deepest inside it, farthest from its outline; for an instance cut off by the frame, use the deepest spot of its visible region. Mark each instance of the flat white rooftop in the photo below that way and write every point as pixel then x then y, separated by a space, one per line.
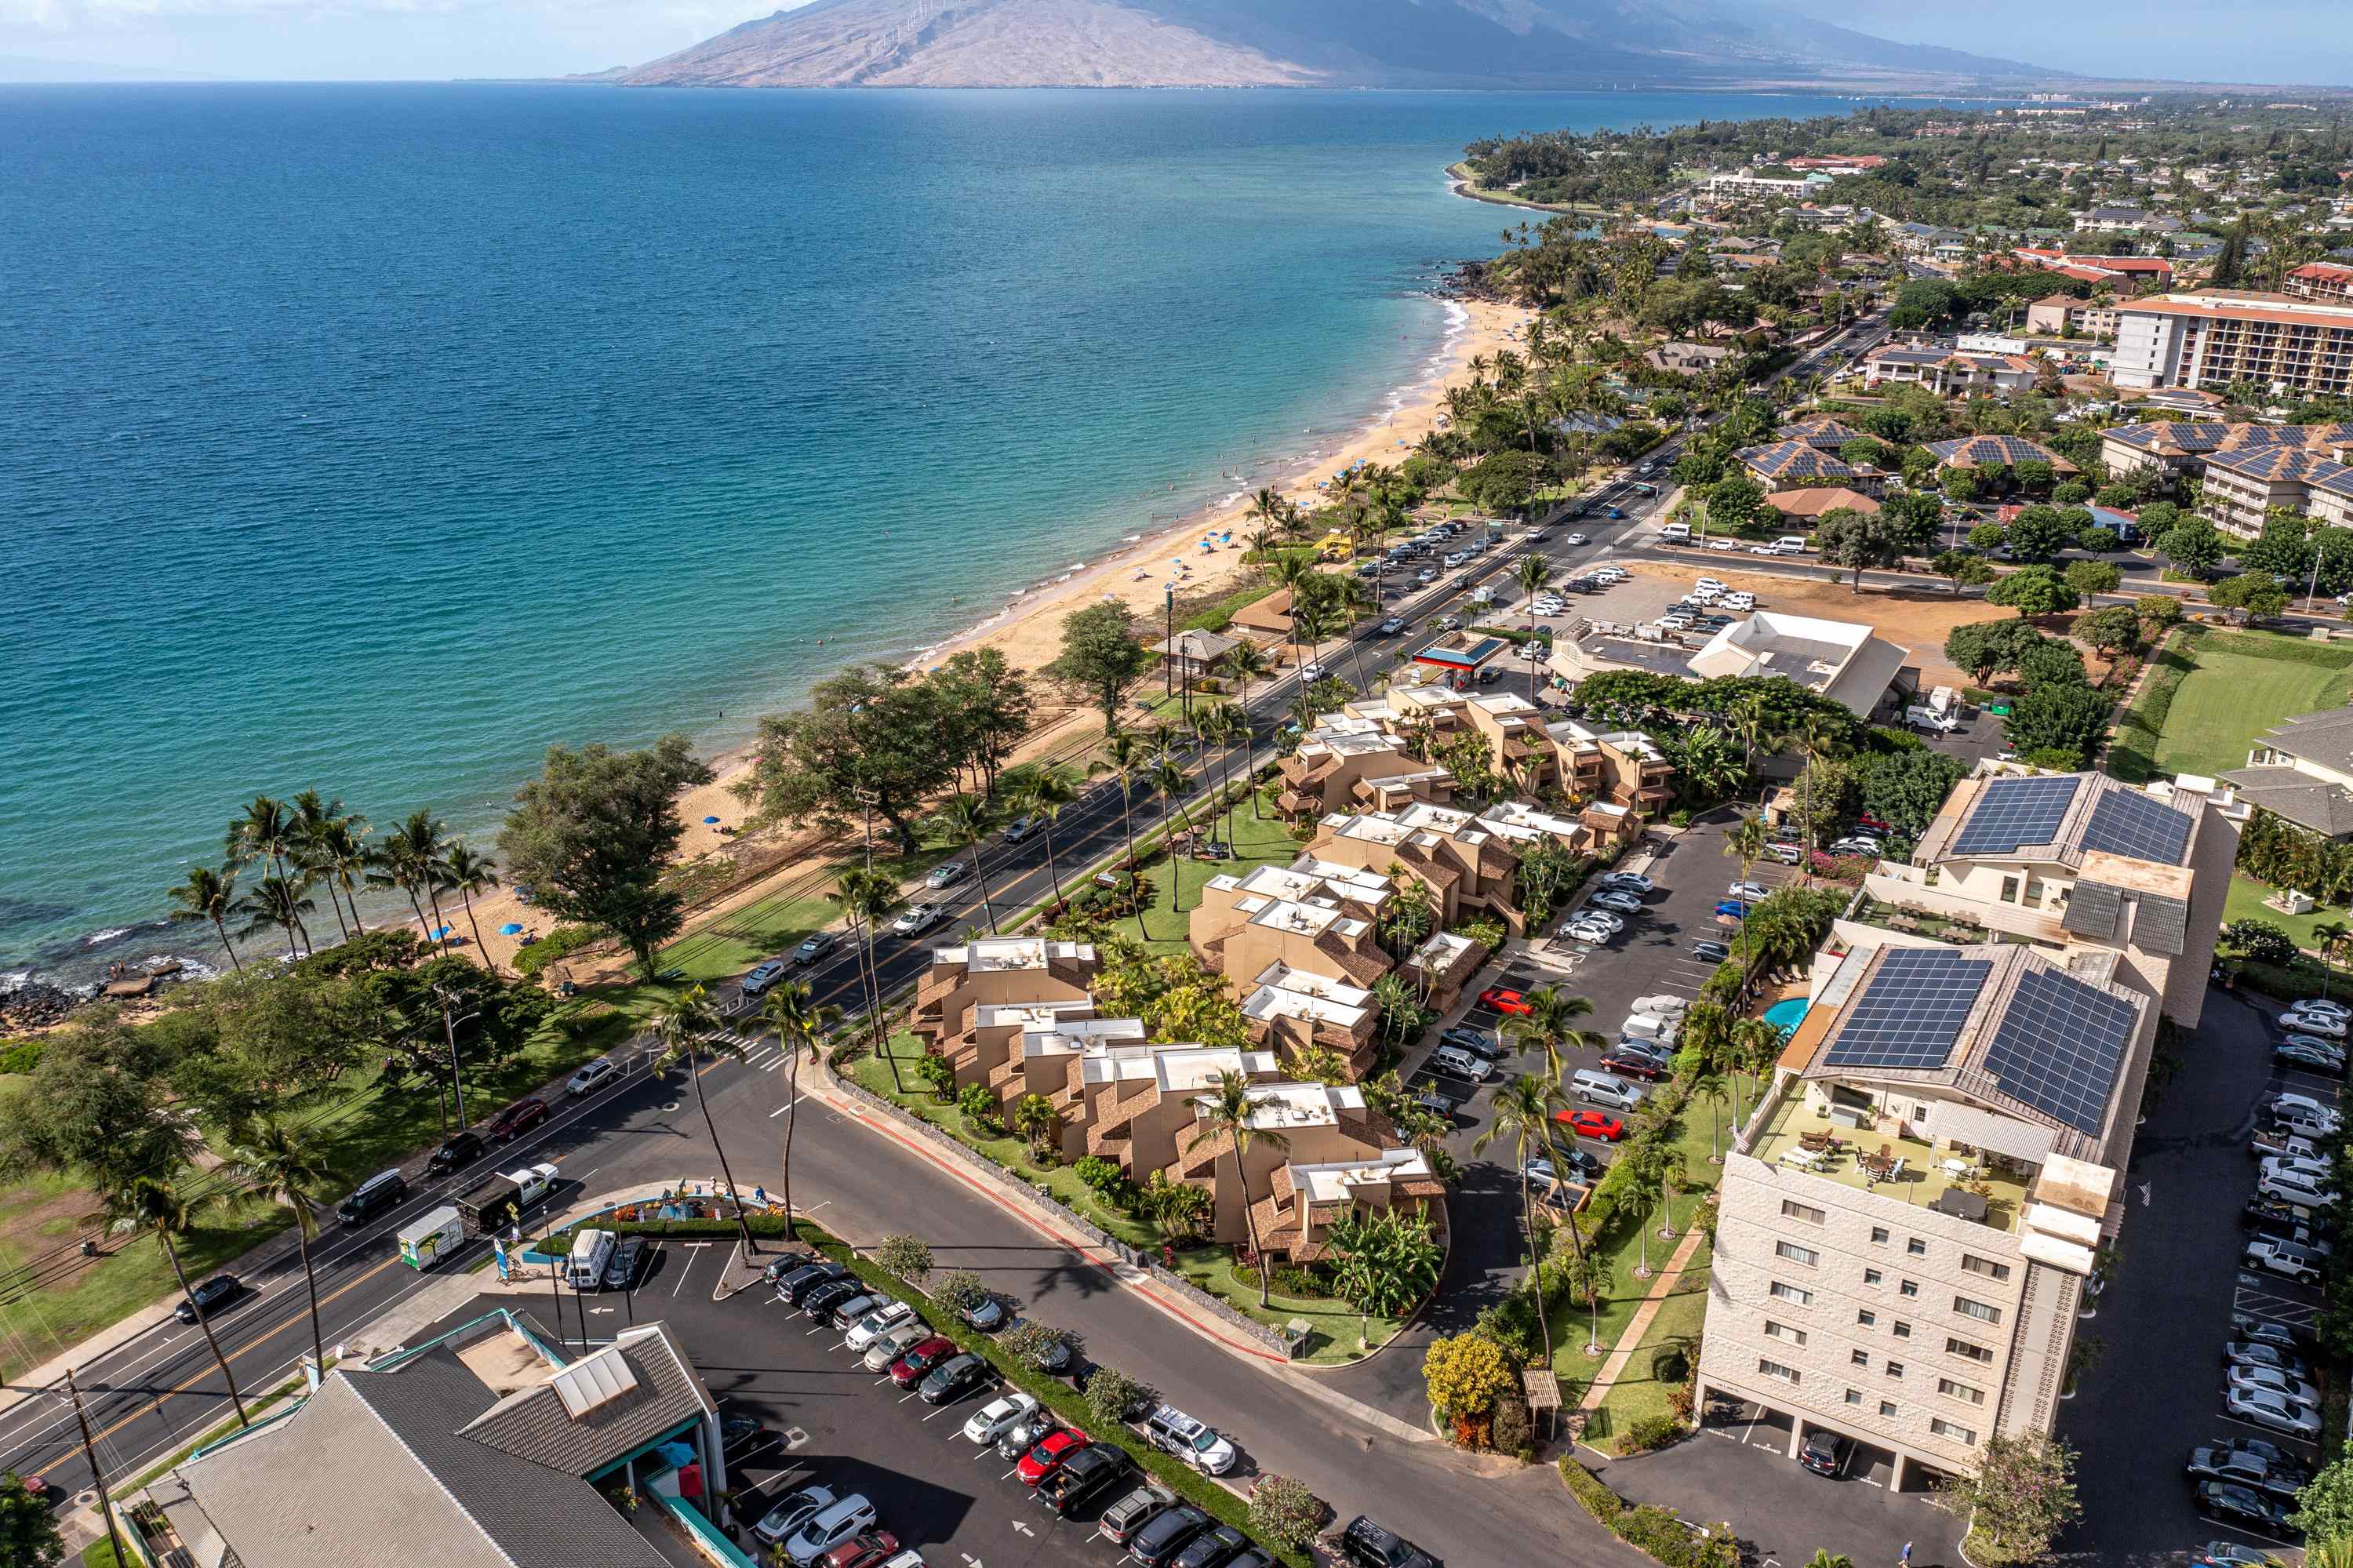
pixel 994 953
pixel 1339 1181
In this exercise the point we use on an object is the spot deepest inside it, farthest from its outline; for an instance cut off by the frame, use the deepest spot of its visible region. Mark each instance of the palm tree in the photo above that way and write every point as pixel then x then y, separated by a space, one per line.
pixel 413 859
pixel 1218 726
pixel 1670 1178
pixel 313 816
pixel 967 818
pixel 272 1161
pixel 866 897
pixel 1035 1118
pixel 148 1205
pixel 209 895
pixel 1550 1023
pixel 2329 938
pixel 1042 795
pixel 686 1024
pixel 1533 572
pixel 340 857
pixel 1817 740
pixel 1124 757
pixel 1746 843
pixel 467 873
pixel 1711 1085
pixel 1357 602
pixel 800 1023
pixel 1586 1272
pixel 1248 663
pixel 1169 777
pixel 1229 1109
pixel 1293 574
pixel 1524 1111
pixel 1756 1046
pixel 265 829
pixel 275 901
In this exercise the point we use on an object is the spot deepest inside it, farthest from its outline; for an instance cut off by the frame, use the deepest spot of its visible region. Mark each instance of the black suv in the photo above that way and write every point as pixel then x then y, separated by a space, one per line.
pixel 457 1151
pixel 1824 1453
pixel 1085 1476
pixel 1213 1549
pixel 1165 1534
pixel 1369 1545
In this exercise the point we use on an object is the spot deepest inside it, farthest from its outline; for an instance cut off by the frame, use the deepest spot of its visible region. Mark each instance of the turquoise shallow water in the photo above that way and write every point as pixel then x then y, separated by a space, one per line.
pixel 370 439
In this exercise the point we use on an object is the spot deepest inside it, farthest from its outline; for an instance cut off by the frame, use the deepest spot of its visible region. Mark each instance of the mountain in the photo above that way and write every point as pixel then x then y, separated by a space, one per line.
pixel 1298 43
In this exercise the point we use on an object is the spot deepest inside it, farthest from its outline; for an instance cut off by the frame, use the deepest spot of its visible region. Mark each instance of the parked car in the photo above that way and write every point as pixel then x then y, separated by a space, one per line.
pixel 1090 1473
pixel 1617 901
pixel 989 1423
pixel 589 1076
pixel 1480 1043
pixel 874 1549
pixel 1713 952
pixel 953 1379
pixel 783 1522
pixel 1824 1453
pixel 1593 1124
pixel 987 1315
pixel 208 1298
pixel 2231 1554
pixel 896 1344
pixel 515 1120
pixel 815 945
pixel 1367 1544
pixel 2274 1410
pixel 1120 1521
pixel 1215 1548
pixel 2271 1380
pixel 1627 1063
pixel 740 1432
pixel 1194 1442
pixel 1045 1456
pixel 2311 1058
pixel 827 1529
pixel 1459 1064
pixel 948 873
pixel 1586 930
pixel 1496 999
pixel 2222 1463
pixel 2283 1258
pixel 1608 919
pixel 1747 892
pixel 1628 880
pixel 628 1257
pixel 877 1321
pixel 2327 1024
pixel 2242 1505
pixel 458 1150
pixel 920 1358
pixel 1545 1170
pixel 1784 854
pixel 764 976
pixel 1166 1533
pixel 2322 1004
pixel 796 1284
pixel 1733 908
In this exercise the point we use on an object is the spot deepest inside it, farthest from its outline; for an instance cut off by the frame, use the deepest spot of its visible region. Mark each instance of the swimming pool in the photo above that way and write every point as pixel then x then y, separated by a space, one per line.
pixel 1786 1014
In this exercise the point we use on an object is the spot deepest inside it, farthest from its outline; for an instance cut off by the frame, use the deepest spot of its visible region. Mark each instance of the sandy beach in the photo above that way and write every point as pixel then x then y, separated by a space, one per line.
pixel 1029 629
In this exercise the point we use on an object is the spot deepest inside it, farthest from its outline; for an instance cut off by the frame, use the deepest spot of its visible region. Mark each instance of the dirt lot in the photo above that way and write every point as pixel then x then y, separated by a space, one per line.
pixel 1916 620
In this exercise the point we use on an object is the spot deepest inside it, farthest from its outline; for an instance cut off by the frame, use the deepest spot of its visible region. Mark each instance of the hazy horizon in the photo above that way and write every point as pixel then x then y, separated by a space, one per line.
pixel 2282 42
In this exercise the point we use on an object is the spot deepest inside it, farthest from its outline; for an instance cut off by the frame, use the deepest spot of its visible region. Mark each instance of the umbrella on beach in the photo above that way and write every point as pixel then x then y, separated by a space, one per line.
pixel 711 822
pixel 442 935
pixel 511 928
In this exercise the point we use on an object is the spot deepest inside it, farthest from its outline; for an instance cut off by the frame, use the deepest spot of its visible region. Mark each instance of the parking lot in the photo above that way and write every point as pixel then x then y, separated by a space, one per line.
pixel 2177 1289
pixel 1640 598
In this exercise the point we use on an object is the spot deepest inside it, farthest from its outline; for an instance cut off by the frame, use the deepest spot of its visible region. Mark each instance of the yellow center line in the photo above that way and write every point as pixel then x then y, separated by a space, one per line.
pixel 254 1345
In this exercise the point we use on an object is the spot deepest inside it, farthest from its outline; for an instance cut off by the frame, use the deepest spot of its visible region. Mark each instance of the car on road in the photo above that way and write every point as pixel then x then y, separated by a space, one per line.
pixel 815 945
pixel 896 1344
pixel 1394 625
pixel 457 1151
pixel 1572 539
pixel 827 1529
pixel 1367 1544
pixel 953 1379
pixel 1160 1538
pixel 1480 1043
pixel 1459 1063
pixel 948 873
pixel 1599 1126
pixel 2284 1258
pixel 1194 1442
pixel 918 919
pixel 515 1120
pixel 2273 1411
pixel 877 1323
pixel 763 977
pixel 989 1423
pixel 1311 672
pixel 783 1522
pixel 1824 1453
pixel 1021 830
pixel 1090 1473
pixel 1045 1456
pixel 208 1298
pixel 1497 999
pixel 1713 952
pixel 921 1358
pixel 2242 1505
pixel 589 1076
pixel 1750 891
pixel 628 1257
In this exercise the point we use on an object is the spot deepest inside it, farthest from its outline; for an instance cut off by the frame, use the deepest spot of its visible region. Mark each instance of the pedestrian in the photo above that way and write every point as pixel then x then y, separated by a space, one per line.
pixel 1906 1560
pixel 760 1195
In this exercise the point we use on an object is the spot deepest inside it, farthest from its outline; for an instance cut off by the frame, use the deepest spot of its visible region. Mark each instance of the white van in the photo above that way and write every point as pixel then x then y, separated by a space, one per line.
pixel 1675 533
pixel 1790 545
pixel 591 1250
pixel 424 1241
pixel 1650 1026
pixel 1604 1089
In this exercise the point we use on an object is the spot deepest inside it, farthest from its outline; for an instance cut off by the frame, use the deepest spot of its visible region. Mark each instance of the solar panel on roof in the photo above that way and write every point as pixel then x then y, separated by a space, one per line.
pixel 2059 1047
pixel 2128 822
pixel 1911 1010
pixel 2013 812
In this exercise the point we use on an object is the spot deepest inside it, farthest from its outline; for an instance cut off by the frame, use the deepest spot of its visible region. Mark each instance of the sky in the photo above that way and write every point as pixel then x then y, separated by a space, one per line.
pixel 2264 40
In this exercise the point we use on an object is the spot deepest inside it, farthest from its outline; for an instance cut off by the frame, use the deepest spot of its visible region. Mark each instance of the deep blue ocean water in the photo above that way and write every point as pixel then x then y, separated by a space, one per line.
pixel 371 439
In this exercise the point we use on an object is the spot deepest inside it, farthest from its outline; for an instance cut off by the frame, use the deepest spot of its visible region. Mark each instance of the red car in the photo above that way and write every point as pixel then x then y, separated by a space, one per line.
pixel 909 1369
pixel 1046 1458
pixel 517 1118
pixel 1868 820
pixel 1591 1124
pixel 870 1549
pixel 1495 999
pixel 1633 1067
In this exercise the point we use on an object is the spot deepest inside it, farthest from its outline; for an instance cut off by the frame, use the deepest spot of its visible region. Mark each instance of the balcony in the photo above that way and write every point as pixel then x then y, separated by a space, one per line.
pixel 1924 1175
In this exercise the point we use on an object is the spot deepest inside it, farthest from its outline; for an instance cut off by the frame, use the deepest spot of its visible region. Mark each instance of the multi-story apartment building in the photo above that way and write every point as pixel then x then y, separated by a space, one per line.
pixel 1319 1124
pixel 1841 660
pixel 2243 486
pixel 2077 860
pixel 1743 185
pixel 2282 343
pixel 978 997
pixel 2246 467
pixel 1464 864
pixel 1906 1226
pixel 1596 826
pixel 1952 373
pixel 2301 770
pixel 2062 312
pixel 1294 1221
pixel 1350 761
pixel 2321 281
pixel 1132 1104
pixel 1976 453
pixel 1300 946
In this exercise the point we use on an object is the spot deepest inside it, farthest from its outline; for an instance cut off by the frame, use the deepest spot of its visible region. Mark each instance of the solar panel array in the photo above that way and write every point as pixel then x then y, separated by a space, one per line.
pixel 2012 812
pixel 2128 822
pixel 1911 1010
pixel 2059 1047
pixel 2003 449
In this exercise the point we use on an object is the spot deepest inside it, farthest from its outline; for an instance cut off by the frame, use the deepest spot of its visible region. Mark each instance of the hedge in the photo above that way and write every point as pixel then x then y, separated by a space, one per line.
pixel 21 1055
pixel 1659 1532
pixel 1055 1394
pixel 2132 753
pixel 560 943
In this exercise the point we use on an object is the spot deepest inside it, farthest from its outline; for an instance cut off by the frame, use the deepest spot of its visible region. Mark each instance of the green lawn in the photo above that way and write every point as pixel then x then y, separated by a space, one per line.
pixel 2245 683
pixel 1261 840
pixel 2245 902
pixel 1332 1326
pixel 1657 1365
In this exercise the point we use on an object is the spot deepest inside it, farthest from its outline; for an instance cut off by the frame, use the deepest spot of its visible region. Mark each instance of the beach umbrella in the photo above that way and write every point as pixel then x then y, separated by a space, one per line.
pixel 443 933
pixel 711 822
pixel 511 928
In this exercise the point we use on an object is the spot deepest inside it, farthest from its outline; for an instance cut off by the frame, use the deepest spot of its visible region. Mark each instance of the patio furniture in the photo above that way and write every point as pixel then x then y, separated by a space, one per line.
pixel 1818 1141
pixel 1958 1169
pixel 1804 1159
pixel 1961 1204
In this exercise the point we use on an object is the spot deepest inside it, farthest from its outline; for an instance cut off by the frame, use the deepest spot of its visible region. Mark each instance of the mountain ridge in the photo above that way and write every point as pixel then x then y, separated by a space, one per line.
pixel 1297 43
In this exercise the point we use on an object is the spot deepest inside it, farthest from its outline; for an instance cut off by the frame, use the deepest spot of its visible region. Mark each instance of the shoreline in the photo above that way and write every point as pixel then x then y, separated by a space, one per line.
pixel 1026 627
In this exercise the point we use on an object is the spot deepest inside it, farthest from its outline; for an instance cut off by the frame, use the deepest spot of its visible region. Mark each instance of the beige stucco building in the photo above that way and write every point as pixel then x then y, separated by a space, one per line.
pixel 977 999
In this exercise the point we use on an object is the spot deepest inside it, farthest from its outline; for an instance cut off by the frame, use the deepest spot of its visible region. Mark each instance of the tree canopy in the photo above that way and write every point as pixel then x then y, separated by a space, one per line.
pixel 1101 661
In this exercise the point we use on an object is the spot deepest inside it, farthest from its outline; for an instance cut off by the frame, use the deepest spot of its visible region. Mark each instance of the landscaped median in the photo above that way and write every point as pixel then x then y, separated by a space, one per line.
pixel 1662 1533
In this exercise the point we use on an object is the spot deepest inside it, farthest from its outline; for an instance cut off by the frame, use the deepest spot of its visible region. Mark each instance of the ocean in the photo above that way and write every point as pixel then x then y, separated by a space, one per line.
pixel 371 439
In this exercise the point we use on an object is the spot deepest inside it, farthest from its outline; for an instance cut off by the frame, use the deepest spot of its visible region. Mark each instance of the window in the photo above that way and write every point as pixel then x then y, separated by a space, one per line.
pixel 1879 1236
pixel 1855 1396
pixel 1977 1309
pixel 1960 1390
pixel 2010 890
pixel 1872 1277
pixel 1909 1287
pixel 1944 1428
pixel 1915 1247
pixel 1791 1293
pixel 1903 1330
pixel 1895 1369
pixel 1887 1407
pixel 1974 1353
pixel 1793 1209
pixel 1985 1265
pixel 1860 1358
pixel 1865 1318
pixel 1797 1253
pixel 1775 1369
pixel 1783 1331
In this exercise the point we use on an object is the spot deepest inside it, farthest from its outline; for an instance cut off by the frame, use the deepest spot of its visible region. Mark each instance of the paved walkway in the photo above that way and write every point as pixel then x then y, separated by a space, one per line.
pixel 1631 1340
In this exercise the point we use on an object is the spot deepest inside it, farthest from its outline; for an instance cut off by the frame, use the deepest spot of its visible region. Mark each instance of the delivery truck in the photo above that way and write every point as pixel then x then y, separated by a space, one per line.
pixel 424 1241
pixel 497 1201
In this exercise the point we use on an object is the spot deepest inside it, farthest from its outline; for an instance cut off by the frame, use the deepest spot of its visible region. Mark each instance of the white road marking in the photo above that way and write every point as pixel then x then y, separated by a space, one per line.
pixel 785 1107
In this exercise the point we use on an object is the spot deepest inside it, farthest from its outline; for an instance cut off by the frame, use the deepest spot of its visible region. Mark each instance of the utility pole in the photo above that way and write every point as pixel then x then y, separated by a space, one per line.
pixel 1168 635
pixel 97 1475
pixel 450 1032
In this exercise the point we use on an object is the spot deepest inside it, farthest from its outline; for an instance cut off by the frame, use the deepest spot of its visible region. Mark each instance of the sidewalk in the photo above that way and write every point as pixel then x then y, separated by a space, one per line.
pixel 1630 1341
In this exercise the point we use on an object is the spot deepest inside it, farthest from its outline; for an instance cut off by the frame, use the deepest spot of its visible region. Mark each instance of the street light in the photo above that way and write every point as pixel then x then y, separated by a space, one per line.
pixel 450 1032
